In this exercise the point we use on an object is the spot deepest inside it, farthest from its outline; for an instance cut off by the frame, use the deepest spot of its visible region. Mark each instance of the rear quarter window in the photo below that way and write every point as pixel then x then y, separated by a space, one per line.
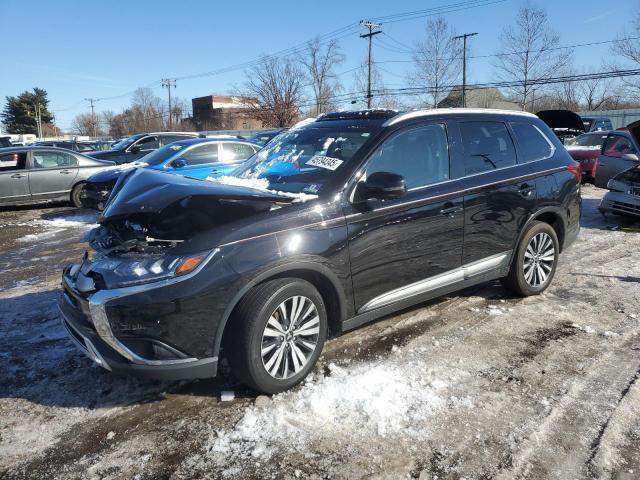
pixel 487 146
pixel 532 143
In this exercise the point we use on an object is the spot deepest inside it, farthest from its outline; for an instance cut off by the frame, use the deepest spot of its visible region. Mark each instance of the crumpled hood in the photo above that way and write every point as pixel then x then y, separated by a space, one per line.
pixel 148 191
pixel 562 119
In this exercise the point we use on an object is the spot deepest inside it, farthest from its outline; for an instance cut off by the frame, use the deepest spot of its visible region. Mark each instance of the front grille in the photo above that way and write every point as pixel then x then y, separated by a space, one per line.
pixel 635 191
pixel 626 208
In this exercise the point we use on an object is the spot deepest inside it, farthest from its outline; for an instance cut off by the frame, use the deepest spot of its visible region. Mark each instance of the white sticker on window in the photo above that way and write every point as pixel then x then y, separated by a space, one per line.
pixel 321 161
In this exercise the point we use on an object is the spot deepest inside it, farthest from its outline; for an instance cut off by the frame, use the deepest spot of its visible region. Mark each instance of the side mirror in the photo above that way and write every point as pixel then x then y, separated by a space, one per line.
pixel 134 149
pixel 631 156
pixel 179 163
pixel 382 186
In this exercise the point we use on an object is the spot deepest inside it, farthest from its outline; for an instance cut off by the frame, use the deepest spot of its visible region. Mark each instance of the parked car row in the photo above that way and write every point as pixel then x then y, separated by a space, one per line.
pixel 331 225
pixel 192 157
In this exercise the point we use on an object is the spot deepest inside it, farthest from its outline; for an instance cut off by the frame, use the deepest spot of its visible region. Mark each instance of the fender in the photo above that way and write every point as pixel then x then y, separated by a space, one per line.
pixel 278 271
pixel 548 209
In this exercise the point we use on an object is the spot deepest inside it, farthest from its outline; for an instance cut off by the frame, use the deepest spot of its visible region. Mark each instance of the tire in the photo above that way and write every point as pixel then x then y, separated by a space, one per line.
pixel 76 200
pixel 536 274
pixel 254 347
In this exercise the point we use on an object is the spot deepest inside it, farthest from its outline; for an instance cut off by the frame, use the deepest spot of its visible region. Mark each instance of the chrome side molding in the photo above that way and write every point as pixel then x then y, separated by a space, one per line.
pixel 442 280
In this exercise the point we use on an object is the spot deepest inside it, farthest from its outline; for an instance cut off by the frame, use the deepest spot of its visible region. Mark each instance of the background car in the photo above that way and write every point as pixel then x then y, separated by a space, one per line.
pixel 564 123
pixel 585 149
pixel 620 152
pixel 69 145
pixel 597 124
pixel 197 157
pixel 623 197
pixel 36 174
pixel 262 138
pixel 137 146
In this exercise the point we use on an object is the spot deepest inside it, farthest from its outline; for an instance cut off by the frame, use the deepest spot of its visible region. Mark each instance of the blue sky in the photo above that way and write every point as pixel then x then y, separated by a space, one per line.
pixel 78 49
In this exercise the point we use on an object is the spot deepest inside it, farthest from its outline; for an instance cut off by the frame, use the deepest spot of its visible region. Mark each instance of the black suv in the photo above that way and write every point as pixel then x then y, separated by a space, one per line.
pixel 336 223
pixel 138 145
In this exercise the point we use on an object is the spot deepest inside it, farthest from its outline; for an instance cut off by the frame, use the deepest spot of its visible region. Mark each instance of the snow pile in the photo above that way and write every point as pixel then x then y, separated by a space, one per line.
pixel 260 184
pixel 380 399
pixel 50 227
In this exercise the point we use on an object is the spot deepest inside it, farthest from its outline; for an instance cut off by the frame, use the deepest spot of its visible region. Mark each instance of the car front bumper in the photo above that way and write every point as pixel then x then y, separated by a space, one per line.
pixel 95 199
pixel 162 330
pixel 620 203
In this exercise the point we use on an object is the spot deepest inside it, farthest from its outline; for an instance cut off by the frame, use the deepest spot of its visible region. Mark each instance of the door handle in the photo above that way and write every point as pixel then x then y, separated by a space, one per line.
pixel 18 175
pixel 526 190
pixel 65 171
pixel 215 171
pixel 451 210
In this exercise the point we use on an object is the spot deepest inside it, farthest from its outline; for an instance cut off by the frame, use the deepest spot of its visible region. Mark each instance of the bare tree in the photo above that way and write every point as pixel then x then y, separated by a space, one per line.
pixel 436 60
pixel 529 51
pixel 597 93
pixel 82 124
pixel 627 48
pixel 319 61
pixel 274 91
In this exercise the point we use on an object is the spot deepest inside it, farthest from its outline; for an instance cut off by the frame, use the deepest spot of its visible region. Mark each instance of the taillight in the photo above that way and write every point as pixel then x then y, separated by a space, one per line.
pixel 574 167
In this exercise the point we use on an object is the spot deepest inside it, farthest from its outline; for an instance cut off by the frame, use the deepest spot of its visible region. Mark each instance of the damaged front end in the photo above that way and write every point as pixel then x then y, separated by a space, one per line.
pixel 146 228
pixel 137 302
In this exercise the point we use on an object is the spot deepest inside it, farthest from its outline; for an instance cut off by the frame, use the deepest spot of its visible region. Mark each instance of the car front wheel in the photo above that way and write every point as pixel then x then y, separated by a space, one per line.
pixel 534 265
pixel 278 333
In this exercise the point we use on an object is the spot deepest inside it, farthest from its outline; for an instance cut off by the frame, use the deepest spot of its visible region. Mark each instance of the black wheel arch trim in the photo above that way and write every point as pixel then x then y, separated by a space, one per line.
pixel 278 272
pixel 557 211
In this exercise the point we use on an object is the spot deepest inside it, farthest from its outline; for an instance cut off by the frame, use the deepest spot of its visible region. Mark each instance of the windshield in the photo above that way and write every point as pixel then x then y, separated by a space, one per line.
pixel 587 123
pixel 587 140
pixel 124 143
pixel 162 154
pixel 304 160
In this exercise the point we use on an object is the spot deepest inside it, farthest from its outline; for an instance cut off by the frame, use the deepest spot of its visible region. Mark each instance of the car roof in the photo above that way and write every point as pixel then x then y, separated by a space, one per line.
pixel 392 117
pixel 196 141
pixel 36 147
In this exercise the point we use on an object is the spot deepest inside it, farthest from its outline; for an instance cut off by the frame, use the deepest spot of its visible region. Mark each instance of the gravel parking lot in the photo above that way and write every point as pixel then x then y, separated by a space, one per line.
pixel 476 385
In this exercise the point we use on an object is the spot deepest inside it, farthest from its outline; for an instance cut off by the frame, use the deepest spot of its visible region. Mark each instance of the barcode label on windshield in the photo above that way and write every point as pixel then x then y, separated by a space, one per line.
pixel 329 163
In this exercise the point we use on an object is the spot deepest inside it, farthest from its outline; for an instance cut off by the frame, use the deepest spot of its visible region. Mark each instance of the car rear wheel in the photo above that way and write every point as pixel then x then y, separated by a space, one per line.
pixel 278 333
pixel 76 195
pixel 534 265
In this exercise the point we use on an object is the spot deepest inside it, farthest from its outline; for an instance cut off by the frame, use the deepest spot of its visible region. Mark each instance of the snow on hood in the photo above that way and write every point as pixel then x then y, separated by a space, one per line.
pixel 260 184
pixel 127 166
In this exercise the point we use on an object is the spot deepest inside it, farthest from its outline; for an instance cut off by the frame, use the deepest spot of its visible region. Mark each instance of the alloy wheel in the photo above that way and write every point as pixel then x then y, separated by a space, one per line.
pixel 539 258
pixel 290 337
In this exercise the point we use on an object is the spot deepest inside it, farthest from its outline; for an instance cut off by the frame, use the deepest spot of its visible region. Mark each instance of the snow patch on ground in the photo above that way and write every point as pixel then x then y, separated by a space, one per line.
pixel 380 399
pixel 49 228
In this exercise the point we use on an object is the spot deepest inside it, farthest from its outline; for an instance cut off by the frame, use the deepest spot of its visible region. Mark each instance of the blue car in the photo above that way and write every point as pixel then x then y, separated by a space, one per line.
pixel 196 157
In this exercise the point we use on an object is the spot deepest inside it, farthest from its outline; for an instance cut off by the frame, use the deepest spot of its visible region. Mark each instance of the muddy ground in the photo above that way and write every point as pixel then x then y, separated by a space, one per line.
pixel 477 385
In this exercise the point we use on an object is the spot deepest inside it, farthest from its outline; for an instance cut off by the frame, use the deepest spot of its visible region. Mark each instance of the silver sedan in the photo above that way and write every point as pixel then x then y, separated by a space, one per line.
pixel 39 174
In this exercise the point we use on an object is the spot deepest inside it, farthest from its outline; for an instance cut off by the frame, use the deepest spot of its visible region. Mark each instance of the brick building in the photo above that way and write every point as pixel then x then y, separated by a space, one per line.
pixel 222 112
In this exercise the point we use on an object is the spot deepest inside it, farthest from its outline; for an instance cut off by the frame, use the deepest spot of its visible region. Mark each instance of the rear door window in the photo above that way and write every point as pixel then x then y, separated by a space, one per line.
pixel 236 151
pixel 617 146
pixel 532 143
pixel 53 160
pixel 487 146
pixel 202 154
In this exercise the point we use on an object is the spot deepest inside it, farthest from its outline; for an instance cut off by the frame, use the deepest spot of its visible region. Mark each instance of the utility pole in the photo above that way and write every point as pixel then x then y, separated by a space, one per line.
pixel 38 112
pixel 168 83
pixel 464 64
pixel 93 115
pixel 371 26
